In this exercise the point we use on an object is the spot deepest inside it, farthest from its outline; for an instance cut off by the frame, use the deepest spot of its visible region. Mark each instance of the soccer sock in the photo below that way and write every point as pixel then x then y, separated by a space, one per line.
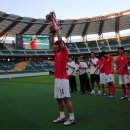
pixel 129 90
pixel 62 114
pixel 124 91
pixel 109 90
pixel 71 116
pixel 113 90
pixel 103 90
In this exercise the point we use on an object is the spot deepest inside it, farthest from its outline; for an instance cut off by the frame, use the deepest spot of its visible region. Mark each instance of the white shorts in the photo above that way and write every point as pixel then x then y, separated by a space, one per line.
pixel 110 78
pixel 61 88
pixel 102 78
pixel 124 79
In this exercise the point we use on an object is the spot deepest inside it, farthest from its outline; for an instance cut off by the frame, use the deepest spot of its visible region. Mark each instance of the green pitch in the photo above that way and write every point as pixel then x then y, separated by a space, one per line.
pixel 28 104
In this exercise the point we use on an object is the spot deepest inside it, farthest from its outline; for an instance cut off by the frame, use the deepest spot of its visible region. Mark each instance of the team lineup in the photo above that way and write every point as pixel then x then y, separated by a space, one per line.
pixel 102 72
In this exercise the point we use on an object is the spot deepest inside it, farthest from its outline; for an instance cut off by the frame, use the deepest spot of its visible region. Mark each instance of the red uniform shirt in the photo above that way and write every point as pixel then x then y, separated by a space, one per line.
pixel 120 61
pixel 108 65
pixel 33 45
pixel 61 59
pixel 99 64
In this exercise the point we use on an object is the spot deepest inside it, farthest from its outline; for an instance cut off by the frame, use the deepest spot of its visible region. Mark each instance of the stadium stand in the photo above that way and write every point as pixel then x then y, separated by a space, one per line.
pixel 26 66
pixel 72 48
pixel 6 52
pixel 93 46
pixel 113 44
pixel 13 59
pixel 10 46
pixel 82 47
pixel 125 42
pixel 103 45
pixel 13 24
pixel 2 47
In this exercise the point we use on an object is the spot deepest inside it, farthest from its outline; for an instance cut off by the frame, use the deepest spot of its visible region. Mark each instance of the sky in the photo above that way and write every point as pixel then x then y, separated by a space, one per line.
pixel 64 9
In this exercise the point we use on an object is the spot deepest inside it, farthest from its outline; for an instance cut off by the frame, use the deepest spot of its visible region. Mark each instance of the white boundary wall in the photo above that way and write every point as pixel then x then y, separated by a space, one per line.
pixel 23 75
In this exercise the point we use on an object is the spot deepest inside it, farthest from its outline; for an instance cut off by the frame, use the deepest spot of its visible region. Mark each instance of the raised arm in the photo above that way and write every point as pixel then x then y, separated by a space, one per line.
pixel 52 41
pixel 54 30
pixel 59 39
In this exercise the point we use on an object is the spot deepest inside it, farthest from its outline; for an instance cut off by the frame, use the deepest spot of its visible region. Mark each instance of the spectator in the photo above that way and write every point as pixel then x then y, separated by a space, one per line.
pixel 71 72
pixel 94 73
pixel 83 76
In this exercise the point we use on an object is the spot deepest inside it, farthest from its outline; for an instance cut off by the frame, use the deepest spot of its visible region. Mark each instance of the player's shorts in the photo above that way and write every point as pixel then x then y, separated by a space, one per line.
pixel 109 78
pixel 94 78
pixel 124 79
pixel 102 78
pixel 61 88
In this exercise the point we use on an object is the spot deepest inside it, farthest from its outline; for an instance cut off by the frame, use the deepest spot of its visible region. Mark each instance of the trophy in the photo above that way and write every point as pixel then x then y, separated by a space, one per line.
pixel 54 24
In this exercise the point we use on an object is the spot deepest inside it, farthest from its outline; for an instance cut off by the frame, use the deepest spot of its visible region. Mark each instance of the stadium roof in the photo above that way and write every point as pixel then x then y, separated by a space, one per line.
pixel 11 25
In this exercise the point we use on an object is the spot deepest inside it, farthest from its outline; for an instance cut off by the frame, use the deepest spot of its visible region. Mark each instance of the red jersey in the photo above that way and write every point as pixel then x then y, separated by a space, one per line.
pixel 61 59
pixel 99 64
pixel 108 65
pixel 33 45
pixel 121 61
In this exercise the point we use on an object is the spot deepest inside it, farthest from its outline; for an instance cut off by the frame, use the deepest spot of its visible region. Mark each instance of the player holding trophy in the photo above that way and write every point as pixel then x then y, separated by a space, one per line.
pixel 61 85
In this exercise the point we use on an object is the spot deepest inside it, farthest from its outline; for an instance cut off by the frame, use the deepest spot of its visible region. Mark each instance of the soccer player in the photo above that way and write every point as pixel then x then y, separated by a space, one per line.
pixel 101 66
pixel 94 73
pixel 71 72
pixel 61 87
pixel 33 45
pixel 123 72
pixel 109 74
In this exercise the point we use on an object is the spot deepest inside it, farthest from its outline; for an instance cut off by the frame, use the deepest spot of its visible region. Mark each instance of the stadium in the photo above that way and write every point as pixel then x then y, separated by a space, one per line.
pixel 26 75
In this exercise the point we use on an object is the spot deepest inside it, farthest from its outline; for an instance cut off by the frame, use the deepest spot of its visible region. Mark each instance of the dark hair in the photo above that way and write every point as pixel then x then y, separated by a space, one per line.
pixel 76 59
pixel 103 53
pixel 57 42
pixel 121 48
pixel 92 52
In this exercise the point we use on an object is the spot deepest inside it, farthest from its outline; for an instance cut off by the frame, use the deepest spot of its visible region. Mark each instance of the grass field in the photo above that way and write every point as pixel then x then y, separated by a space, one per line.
pixel 28 104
